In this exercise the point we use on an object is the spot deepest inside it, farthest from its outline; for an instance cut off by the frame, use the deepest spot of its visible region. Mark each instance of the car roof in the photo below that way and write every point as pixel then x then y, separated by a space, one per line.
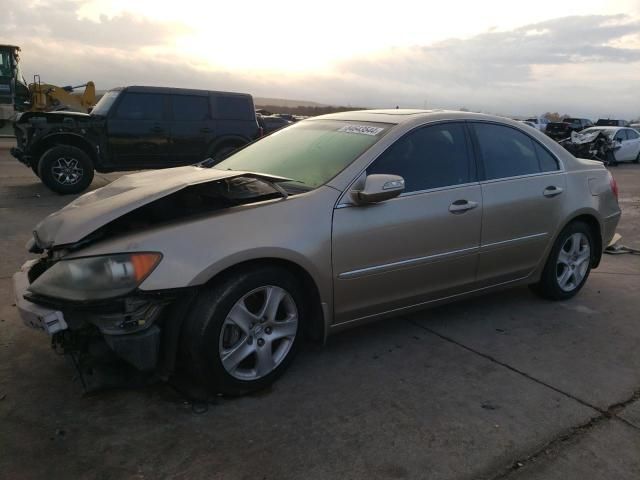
pixel 400 116
pixel 179 91
pixel 605 127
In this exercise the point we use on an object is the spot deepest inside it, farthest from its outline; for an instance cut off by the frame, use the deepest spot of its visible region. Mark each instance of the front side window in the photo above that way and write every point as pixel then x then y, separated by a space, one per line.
pixel 141 106
pixel 311 152
pixel 621 135
pixel 190 108
pixel 430 157
pixel 632 134
pixel 507 152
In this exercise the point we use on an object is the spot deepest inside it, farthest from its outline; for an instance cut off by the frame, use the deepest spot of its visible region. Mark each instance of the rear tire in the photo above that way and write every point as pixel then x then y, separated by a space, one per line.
pixel 228 346
pixel 65 169
pixel 569 263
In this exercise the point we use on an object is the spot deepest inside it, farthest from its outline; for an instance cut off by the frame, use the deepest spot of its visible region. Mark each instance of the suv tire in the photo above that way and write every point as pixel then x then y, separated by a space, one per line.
pixel 234 340
pixel 65 169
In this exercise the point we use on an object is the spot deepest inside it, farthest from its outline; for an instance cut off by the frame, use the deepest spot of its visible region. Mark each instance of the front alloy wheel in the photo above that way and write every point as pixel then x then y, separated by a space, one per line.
pixel 244 329
pixel 258 333
pixel 67 171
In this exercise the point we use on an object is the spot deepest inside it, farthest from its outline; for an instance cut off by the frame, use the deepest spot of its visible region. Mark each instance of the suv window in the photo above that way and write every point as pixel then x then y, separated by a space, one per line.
pixel 141 106
pixel 632 134
pixel 189 108
pixel 233 107
pixel 507 152
pixel 430 157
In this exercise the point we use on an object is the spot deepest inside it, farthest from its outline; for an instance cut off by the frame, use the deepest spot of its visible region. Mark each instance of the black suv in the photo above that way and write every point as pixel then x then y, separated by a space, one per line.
pixel 563 129
pixel 134 128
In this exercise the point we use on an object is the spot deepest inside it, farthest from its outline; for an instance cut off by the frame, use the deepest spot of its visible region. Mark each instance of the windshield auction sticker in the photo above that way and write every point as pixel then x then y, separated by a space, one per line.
pixel 361 129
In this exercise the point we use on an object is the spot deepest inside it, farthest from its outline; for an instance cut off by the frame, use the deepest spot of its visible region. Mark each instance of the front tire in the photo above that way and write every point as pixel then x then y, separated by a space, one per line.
pixel 637 160
pixel 65 169
pixel 569 263
pixel 243 332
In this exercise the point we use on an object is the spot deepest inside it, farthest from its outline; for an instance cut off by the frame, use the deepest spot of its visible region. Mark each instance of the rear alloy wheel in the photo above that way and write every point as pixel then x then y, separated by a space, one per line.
pixel 65 169
pixel 569 263
pixel 243 332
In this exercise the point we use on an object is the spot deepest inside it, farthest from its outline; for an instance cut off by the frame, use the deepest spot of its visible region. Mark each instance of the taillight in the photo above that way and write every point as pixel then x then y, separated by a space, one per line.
pixel 614 185
pixel 260 132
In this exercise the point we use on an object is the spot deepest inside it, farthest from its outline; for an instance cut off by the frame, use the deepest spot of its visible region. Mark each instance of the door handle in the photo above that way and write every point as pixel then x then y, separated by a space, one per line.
pixel 461 206
pixel 552 191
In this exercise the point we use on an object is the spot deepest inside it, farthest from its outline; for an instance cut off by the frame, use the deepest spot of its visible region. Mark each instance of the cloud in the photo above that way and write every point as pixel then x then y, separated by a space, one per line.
pixel 583 65
pixel 58 20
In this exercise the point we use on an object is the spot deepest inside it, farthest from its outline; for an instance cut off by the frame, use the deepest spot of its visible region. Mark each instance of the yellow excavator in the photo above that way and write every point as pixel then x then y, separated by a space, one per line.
pixel 16 96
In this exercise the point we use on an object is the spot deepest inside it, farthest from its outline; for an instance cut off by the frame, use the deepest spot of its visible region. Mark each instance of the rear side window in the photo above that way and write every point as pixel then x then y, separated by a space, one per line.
pixel 141 106
pixel 507 152
pixel 189 107
pixel 430 157
pixel 233 107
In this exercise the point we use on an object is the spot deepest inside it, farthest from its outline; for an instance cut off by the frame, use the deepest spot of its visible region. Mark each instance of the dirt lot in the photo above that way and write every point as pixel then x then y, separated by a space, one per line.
pixel 504 386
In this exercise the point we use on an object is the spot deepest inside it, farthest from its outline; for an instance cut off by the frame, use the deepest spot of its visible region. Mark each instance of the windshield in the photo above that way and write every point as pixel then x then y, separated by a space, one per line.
pixel 104 104
pixel 310 152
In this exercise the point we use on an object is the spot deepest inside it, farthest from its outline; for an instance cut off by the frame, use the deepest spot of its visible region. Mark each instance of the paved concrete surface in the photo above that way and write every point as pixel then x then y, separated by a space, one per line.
pixel 502 386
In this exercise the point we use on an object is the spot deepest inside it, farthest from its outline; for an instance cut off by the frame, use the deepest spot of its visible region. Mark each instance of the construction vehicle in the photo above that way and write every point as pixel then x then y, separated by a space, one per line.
pixel 13 87
pixel 16 96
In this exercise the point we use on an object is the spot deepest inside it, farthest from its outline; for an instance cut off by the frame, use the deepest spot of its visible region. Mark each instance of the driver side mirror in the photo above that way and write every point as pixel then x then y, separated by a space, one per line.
pixel 378 188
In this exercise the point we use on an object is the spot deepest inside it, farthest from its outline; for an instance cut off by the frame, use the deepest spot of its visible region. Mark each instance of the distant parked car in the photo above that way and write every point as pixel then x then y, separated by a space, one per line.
pixel 530 124
pixel 608 122
pixel 563 129
pixel 627 141
pixel 271 123
pixel 328 224
pixel 540 123
pixel 287 116
pixel 133 128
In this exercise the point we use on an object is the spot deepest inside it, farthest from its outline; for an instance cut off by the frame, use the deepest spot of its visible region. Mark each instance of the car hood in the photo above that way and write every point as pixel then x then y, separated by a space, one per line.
pixel 55 117
pixel 95 209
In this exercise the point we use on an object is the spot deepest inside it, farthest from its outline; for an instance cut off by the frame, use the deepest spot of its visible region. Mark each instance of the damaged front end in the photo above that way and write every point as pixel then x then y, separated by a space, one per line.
pixel 92 306
pixel 112 341
pixel 595 145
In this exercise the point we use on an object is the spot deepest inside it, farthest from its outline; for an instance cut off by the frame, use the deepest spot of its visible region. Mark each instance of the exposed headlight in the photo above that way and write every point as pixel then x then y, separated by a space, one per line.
pixel 95 278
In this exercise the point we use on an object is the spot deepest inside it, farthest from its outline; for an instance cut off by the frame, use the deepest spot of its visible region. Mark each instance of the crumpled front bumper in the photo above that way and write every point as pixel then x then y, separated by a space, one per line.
pixel 32 315
pixel 136 344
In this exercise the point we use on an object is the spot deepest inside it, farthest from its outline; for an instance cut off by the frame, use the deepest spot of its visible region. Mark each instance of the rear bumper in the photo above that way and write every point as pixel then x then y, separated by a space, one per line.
pixel 609 228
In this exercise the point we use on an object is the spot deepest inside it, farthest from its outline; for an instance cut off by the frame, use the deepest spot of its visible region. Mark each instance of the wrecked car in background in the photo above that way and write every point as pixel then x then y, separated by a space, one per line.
pixel 609 145
pixel 327 224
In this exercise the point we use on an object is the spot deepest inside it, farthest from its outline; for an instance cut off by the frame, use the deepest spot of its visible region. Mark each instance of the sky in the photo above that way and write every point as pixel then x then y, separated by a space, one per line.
pixel 508 57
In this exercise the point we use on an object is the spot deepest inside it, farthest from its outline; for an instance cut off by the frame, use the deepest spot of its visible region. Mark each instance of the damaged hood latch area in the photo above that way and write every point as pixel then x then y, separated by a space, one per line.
pixel 162 194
